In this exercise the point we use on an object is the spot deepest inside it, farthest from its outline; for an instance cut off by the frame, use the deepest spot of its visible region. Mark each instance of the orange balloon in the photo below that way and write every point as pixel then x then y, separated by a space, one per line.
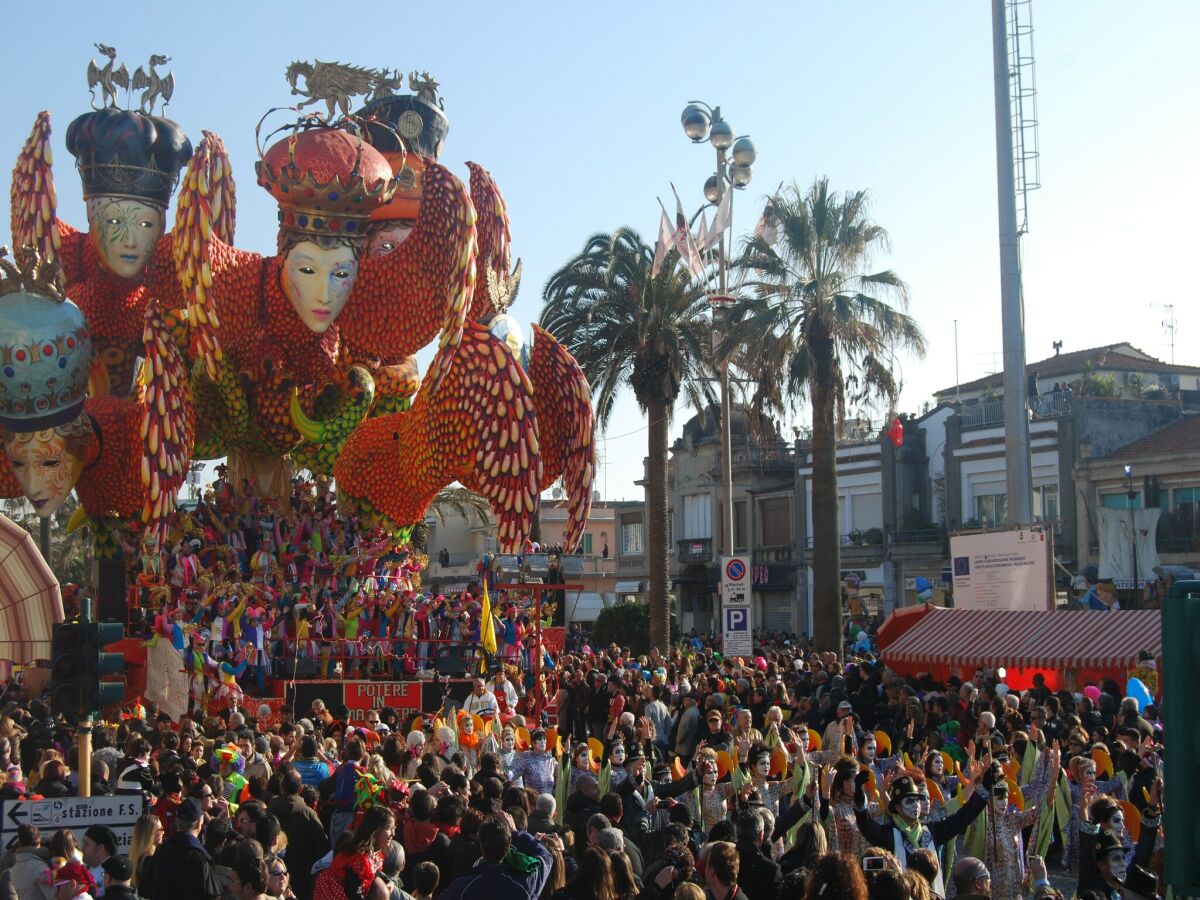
pixel 724 764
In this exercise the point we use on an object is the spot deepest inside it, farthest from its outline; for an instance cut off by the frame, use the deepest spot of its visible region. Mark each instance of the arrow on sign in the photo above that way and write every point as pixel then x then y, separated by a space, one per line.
pixel 13 809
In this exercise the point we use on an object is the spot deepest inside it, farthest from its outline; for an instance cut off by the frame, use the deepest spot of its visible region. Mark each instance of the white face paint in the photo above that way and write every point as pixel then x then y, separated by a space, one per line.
pixel 540 745
pixel 868 751
pixel 938 765
pixel 1117 824
pixel 910 808
pixel 581 761
pixel 618 754
pixel 1116 865
pixel 763 766
pixel 925 806
pixel 709 777
pixel 508 742
pixel 999 804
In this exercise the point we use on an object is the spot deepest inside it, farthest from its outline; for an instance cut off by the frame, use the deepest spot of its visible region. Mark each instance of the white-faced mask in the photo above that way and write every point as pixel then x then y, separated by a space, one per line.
pixel 910 808
pixel 618 755
pixel 868 751
pixel 709 778
pixel 1116 865
pixel 938 766
pixel 763 766
pixel 925 806
pixel 999 804
pixel 1117 824
pixel 508 742
pixel 540 745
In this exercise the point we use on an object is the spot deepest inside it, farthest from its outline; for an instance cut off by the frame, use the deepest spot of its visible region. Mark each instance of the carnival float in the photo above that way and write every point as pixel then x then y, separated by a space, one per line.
pixel 133 348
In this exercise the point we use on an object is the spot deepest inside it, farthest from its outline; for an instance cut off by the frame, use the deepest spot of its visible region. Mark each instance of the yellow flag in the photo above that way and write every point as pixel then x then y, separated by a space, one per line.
pixel 487 624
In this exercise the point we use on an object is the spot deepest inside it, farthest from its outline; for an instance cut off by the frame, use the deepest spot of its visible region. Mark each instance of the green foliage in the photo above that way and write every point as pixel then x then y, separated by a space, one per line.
pixel 627 625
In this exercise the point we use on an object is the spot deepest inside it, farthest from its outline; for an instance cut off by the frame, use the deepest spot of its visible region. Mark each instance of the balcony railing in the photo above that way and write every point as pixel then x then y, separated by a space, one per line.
pixel 695 550
pixel 872 537
pixel 917 536
pixel 990 413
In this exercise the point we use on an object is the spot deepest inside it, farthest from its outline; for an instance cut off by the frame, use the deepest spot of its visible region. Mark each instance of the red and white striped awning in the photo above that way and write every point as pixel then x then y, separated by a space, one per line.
pixel 1023 639
pixel 30 602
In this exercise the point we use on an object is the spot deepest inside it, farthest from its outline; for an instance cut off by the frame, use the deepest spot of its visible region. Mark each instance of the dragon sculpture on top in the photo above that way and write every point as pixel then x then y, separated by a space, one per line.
pixel 382 251
pixel 308 354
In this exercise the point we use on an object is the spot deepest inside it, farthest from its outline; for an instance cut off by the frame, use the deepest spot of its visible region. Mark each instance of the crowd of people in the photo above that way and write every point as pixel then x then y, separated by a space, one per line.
pixel 673 776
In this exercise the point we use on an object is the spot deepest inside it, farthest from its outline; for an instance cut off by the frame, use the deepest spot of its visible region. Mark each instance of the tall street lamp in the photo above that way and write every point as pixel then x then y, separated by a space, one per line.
pixel 735 156
pixel 1131 495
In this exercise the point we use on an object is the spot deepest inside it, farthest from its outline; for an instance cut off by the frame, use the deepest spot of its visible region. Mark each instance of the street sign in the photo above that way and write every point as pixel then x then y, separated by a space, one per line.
pixel 76 813
pixel 737 627
pixel 735 581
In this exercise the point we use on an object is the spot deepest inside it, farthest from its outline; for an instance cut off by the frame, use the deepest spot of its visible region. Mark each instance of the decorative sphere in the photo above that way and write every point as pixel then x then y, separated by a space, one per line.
pixel 744 152
pixel 509 330
pixel 721 134
pixel 712 189
pixel 740 175
pixel 695 122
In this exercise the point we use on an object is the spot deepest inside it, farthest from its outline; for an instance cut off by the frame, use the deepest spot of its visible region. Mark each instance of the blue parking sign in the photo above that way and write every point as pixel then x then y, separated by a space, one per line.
pixel 736 632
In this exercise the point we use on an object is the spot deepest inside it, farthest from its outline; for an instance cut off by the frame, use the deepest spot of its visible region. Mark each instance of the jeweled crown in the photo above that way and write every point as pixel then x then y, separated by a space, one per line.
pixel 45 350
pixel 326 180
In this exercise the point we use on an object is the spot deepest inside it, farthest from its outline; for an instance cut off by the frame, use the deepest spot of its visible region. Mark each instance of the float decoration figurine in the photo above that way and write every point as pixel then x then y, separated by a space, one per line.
pixel 475 444
pixel 125 457
pixel 129 162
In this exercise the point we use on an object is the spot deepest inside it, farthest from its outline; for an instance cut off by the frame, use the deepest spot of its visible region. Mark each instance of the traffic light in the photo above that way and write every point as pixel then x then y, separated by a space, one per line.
pixel 98 693
pixel 1181 672
pixel 66 670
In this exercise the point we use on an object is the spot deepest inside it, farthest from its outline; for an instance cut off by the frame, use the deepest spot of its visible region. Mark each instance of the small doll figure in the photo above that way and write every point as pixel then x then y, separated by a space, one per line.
pixel 468 739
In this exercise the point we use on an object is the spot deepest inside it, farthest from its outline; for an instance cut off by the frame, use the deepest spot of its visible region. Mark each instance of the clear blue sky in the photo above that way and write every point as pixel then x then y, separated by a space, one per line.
pixel 575 110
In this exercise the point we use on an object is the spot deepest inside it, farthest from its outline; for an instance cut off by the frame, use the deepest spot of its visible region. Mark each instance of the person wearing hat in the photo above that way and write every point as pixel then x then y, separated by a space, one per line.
pixel 73 882
pixel 706 797
pixel 117 875
pixel 838 730
pixel 1003 825
pixel 640 796
pixel 902 831
pixel 99 844
pixel 1103 865
pixel 181 869
pixel 536 767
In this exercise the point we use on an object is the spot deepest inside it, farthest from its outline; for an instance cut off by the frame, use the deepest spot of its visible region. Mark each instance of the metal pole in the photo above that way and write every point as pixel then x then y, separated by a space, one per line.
pixel 84 766
pixel 956 381
pixel 1018 470
pixel 44 538
pixel 726 411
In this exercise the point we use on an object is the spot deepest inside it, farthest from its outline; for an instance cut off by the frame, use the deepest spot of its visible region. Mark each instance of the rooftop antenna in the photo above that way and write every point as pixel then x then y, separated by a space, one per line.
pixel 1169 324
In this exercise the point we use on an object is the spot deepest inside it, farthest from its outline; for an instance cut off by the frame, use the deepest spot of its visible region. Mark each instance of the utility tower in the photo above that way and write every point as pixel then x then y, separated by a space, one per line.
pixel 1017 173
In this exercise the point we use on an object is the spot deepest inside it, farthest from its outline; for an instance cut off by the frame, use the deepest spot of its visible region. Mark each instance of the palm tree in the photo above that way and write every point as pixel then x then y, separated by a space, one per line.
pixel 627 326
pixel 821 329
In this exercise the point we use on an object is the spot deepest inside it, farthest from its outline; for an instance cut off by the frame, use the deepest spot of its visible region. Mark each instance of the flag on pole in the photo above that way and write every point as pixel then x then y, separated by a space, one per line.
pixel 487 625
pixel 664 243
pixel 684 243
pixel 721 222
pixel 703 238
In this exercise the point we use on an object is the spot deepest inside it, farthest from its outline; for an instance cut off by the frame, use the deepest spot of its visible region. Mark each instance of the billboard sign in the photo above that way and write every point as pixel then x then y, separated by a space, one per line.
pixel 1001 570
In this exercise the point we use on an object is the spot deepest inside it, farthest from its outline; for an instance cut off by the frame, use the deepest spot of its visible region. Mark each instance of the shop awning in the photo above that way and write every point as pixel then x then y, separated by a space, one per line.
pixel 899 623
pixel 1059 639
pixel 630 587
